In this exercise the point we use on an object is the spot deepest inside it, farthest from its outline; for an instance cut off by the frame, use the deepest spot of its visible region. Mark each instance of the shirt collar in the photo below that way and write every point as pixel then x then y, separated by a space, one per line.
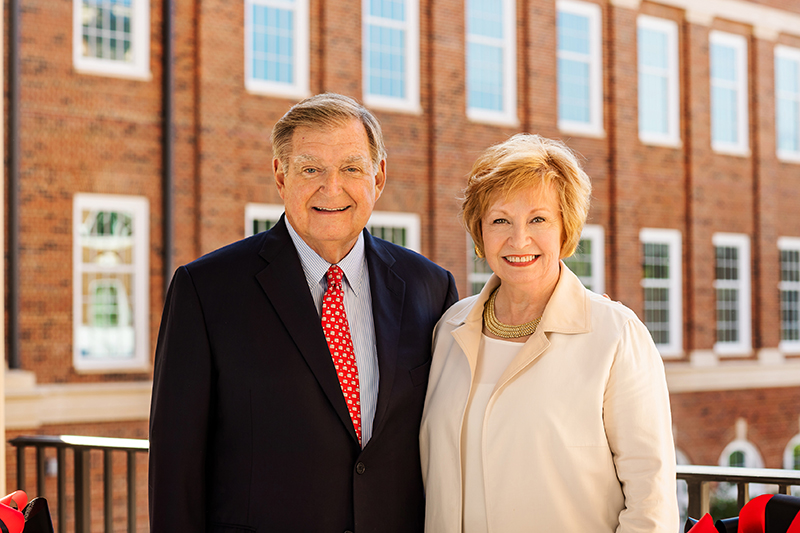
pixel 354 264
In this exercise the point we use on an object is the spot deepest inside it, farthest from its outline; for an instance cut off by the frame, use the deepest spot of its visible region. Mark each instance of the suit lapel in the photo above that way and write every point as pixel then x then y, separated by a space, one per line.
pixel 285 285
pixel 388 294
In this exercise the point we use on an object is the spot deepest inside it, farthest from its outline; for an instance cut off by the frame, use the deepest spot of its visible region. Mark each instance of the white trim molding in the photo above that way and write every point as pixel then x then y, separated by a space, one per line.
pixel 778 20
pixel 731 375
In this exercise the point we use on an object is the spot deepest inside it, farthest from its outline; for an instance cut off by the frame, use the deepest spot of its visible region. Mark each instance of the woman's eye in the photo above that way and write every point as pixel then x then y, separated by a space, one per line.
pixel 499 221
pixel 537 220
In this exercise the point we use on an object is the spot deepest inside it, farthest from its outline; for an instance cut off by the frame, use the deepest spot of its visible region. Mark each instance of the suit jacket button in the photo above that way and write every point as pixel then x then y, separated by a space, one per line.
pixel 360 468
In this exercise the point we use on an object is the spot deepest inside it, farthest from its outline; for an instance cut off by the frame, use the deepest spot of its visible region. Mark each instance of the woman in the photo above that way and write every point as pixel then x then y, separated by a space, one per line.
pixel 547 407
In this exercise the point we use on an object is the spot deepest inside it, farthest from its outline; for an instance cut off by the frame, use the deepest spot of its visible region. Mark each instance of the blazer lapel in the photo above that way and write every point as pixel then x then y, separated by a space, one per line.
pixel 286 288
pixel 388 295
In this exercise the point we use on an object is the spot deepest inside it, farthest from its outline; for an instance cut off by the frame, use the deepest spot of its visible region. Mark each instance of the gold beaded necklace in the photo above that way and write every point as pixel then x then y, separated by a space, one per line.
pixel 504 331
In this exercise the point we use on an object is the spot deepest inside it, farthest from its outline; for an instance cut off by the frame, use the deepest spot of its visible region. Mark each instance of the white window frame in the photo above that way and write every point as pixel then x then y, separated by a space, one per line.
pixel 787 244
pixel 408 221
pixel 410 102
pixel 788 452
pixel 752 457
pixel 300 87
pixel 596 235
pixel 672 136
pixel 594 127
pixel 791 54
pixel 141 302
pixel 743 346
pixel 739 43
pixel 138 69
pixel 674 284
pixel 508 116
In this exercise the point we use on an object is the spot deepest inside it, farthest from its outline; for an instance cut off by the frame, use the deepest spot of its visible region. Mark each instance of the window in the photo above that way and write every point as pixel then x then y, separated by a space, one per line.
pixel 658 80
pixel 580 90
pixel 276 47
pixel 588 261
pixel 791 459
pixel 790 294
pixel 399 228
pixel 110 285
pixel 111 37
pixel 391 54
pixel 661 281
pixel 728 56
pixel 491 61
pixel 732 287
pixel 787 102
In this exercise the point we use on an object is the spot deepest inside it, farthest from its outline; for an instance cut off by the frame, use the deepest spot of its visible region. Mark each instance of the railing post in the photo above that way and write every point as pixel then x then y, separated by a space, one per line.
pixel 83 492
pixel 21 467
pixel 742 494
pixel 40 471
pixel 108 496
pixel 699 498
pixel 131 492
pixel 61 457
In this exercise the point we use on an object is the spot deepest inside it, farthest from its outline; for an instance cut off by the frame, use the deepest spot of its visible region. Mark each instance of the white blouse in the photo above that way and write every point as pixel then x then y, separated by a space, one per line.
pixel 494 356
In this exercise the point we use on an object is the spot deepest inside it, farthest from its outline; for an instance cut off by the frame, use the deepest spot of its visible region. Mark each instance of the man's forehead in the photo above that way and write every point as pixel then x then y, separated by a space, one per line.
pixel 310 158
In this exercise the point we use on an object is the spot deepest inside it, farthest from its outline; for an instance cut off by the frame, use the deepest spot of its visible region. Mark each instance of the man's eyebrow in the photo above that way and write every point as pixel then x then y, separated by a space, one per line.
pixel 355 159
pixel 304 158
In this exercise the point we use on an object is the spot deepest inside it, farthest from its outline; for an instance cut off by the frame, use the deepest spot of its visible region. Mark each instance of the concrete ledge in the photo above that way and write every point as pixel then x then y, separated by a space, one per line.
pixel 29 405
pixel 733 375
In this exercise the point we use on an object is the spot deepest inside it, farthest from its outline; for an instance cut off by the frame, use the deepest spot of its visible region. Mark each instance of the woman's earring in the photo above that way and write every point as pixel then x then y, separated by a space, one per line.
pixel 478 252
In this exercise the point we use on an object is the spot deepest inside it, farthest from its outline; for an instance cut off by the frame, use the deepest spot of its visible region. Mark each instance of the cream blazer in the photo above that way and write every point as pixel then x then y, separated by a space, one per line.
pixel 577 435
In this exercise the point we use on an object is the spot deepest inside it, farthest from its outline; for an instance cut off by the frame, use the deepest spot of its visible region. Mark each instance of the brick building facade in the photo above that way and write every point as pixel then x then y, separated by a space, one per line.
pixel 687 115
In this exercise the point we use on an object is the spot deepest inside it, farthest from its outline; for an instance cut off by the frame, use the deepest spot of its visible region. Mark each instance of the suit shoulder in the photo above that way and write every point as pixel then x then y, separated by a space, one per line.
pixel 235 253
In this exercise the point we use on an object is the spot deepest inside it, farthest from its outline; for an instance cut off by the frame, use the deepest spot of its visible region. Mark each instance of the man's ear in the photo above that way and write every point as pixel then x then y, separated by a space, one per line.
pixel 380 178
pixel 280 177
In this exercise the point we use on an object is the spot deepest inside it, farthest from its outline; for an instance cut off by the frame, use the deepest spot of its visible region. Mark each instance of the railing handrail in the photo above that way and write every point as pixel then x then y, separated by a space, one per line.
pixel 735 474
pixel 77 441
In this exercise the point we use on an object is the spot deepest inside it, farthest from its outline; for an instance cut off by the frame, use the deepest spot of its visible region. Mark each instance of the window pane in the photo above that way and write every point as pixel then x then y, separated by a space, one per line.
pixel 485 76
pixel 386 61
pixel 573 90
pixel 388 9
pixel 273 44
pixel 653 81
pixel 790 315
pixel 573 33
pixel 106 29
pixel 656 313
pixel 485 18
pixel 787 112
pixel 727 315
pixel 581 262
pixel 737 459
pixel 727 263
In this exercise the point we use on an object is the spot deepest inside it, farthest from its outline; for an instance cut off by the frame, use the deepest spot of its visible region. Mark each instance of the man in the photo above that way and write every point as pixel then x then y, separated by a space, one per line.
pixel 266 417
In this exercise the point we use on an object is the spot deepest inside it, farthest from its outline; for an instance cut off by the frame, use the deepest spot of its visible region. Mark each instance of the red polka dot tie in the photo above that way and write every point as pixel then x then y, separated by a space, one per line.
pixel 337 333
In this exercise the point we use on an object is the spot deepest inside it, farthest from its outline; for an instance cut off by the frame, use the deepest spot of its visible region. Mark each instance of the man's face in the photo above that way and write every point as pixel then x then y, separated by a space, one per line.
pixel 330 186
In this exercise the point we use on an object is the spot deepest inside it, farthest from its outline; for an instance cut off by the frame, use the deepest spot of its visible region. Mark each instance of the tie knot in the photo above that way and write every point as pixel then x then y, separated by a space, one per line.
pixel 335 275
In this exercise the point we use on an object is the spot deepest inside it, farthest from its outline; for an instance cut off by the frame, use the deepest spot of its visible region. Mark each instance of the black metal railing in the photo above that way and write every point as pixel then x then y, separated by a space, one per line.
pixel 699 478
pixel 81 466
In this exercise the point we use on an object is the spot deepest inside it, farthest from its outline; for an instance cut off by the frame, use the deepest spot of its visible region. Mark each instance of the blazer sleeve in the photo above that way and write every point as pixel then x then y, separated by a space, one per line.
pixel 637 420
pixel 179 413
pixel 452 293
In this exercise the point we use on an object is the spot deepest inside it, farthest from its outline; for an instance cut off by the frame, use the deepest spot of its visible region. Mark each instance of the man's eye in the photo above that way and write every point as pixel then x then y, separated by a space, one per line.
pixel 309 171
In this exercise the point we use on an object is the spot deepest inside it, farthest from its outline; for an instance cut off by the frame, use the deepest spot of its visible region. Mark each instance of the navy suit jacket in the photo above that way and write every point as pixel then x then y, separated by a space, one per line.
pixel 249 430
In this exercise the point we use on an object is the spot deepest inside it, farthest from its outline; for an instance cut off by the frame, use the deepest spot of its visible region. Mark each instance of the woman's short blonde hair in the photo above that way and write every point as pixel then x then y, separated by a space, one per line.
pixel 524 161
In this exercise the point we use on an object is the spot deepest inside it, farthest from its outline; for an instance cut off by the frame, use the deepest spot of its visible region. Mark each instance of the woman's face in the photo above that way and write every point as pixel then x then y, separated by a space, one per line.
pixel 522 237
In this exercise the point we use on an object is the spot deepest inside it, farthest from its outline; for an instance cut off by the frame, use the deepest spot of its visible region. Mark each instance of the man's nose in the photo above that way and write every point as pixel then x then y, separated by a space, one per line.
pixel 333 183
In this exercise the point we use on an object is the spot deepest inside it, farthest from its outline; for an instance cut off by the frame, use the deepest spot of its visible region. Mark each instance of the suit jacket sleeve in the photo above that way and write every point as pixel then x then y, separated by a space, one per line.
pixel 637 420
pixel 179 413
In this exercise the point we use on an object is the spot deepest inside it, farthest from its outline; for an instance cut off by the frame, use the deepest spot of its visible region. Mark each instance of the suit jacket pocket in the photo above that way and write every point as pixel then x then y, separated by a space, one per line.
pixel 231 528
pixel 419 375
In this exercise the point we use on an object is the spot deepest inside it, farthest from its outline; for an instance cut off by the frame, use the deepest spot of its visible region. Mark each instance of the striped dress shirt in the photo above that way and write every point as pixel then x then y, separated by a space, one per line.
pixel 358 306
